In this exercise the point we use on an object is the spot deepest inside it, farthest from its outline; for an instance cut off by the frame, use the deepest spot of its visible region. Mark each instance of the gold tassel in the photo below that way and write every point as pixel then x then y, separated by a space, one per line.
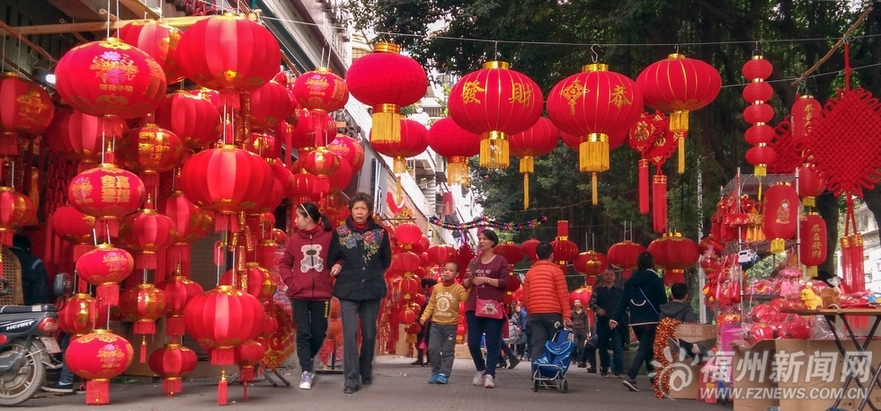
pixel 681 153
pixel 778 245
pixel 811 271
pixel 593 154
pixel 386 124
pixel 400 165
pixel 457 170
pixel 761 170
pixel 399 193
pixel 525 190
pixel 527 164
pixel 494 152
pixel 593 189
pixel 809 201
pixel 679 121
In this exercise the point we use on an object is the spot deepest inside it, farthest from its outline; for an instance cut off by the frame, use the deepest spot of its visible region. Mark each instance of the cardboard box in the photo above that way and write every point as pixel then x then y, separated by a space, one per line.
pixel 741 354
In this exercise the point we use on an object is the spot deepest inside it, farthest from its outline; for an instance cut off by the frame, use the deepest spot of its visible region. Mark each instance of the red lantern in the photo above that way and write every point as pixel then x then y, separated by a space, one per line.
pixel 192 118
pixel 321 162
pixel 813 243
pixel 564 250
pixel 780 220
pixel 192 224
pixel 450 140
pixel 810 184
pixel 172 362
pixel 495 102
pixel 270 104
pixel 440 254
pixel 75 227
pixel 538 141
pixel 529 247
pixel 150 150
pixel 348 149
pixel 16 211
pixel 178 290
pixel 674 254
pixel 226 180
pixel 222 318
pixel 804 112
pixel 679 85
pixel 582 294
pixel 510 251
pixel 758 113
pixel 158 41
pixel 623 255
pixel 79 315
pixel 248 355
pixel 340 179
pixel 146 233
pixel 146 304
pixel 413 141
pixel 408 234
pixel 590 263
pixel 27 109
pixel 229 52
pixel 304 187
pixel 386 81
pixel 77 134
pixel 105 267
pixel 321 89
pixel 408 315
pixel 106 192
pixel 255 280
pixel 98 357
pixel 110 77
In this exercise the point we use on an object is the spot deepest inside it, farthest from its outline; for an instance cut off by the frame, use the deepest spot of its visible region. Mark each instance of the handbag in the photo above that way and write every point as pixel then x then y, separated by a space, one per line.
pixel 489 309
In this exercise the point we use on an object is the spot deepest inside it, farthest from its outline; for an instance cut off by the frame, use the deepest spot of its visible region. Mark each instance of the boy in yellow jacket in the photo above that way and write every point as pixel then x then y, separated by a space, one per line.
pixel 443 309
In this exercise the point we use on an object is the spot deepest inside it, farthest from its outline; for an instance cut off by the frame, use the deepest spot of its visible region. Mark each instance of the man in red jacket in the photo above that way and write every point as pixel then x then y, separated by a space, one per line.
pixel 546 298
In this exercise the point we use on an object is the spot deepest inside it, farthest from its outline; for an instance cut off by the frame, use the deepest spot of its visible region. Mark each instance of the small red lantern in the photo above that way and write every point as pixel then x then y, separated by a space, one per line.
pixel 813 242
pixel 623 255
pixel 440 254
pixel 759 113
pixel 413 141
pixel 340 179
pixel 348 149
pixel 386 81
pixel 450 140
pixel 304 187
pixel 321 89
pixel 495 102
pixel 810 184
pixel 582 294
pixel 150 150
pixel 147 232
pixel 192 224
pixel 510 251
pixel 221 318
pixel 77 134
pixel 79 315
pixel 172 362
pixel 192 118
pixel 590 263
pixel 804 112
pixel 105 267
pixel 529 247
pixel 158 41
pixel 27 109
pixel 72 225
pixel 674 254
pixel 564 250
pixel 108 193
pixel 321 162
pixel 780 221
pixel 178 290
pixel 248 355
pixel 16 211
pixel 98 357
pixel 538 141
pixel 146 304
pixel 270 104
pixel 255 280
pixel 408 234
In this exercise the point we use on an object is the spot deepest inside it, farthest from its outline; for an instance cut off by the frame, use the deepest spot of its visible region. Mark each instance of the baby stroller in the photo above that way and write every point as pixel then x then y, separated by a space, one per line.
pixel 549 370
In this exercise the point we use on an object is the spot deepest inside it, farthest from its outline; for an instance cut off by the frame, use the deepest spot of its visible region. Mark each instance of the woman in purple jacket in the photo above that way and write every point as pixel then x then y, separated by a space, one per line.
pixel 306 271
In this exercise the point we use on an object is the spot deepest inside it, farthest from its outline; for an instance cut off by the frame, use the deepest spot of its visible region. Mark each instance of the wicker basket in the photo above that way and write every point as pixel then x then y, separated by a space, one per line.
pixel 12 274
pixel 697 333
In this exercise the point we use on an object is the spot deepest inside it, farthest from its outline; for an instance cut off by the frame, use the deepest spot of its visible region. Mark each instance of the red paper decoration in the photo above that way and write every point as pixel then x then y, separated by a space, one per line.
pixel 159 41
pixel 26 109
pixel 582 294
pixel 538 141
pixel 623 255
pixel 98 357
pixel 758 113
pixel 192 224
pixel 495 102
pixel 440 254
pixel 780 220
pixel 805 111
pixel 147 232
pixel 172 362
pixel 450 140
pixel 254 280
pixel 77 135
pixel 812 247
pixel 321 162
pixel 810 185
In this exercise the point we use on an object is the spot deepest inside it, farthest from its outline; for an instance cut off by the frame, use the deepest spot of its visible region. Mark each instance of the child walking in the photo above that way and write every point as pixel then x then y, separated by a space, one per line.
pixel 443 310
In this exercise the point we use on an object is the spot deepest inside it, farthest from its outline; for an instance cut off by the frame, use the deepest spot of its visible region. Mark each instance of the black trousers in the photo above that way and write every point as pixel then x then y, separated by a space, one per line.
pixel 311 320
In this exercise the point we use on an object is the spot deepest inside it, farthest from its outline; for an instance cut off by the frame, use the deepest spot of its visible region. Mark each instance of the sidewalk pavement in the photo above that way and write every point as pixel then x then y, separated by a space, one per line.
pixel 397 385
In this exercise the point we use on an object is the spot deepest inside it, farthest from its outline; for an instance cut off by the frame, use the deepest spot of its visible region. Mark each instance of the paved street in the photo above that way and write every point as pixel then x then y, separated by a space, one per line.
pixel 397 386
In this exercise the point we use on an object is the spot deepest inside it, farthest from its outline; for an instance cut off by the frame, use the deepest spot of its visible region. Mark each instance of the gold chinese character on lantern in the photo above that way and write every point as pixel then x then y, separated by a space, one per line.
pixel 469 92
pixel 619 97
pixel 115 189
pixel 520 94
pixel 572 93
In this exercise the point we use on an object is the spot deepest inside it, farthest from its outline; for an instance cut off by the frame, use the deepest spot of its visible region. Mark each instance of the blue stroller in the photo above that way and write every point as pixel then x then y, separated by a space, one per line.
pixel 549 371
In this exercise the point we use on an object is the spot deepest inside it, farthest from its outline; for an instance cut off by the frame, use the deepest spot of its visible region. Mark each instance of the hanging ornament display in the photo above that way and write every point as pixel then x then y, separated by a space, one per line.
pixel 495 102
pixel 758 113
pixel 674 254
pixel 641 138
pixel 590 263
pixel 538 141
pixel 97 357
pixel 75 227
pixel 105 267
pixel 172 362
pixel 488 222
pixel 450 140
pixel 158 41
pixel 145 303
pixel 191 117
pixel 623 255
pixel 150 150
pixel 804 111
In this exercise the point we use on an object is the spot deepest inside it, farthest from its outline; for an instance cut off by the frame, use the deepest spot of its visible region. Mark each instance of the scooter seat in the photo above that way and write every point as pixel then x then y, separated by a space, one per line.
pixel 20 309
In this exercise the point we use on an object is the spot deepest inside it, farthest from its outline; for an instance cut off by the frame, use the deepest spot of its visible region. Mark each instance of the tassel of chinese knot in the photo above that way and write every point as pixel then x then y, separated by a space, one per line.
pixel 643 186
pixel 222 388
pixel 527 165
pixel 659 202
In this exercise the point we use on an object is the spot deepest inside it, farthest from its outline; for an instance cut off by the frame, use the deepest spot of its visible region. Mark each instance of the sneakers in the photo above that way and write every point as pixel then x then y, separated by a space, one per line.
pixel 582 365
pixel 442 379
pixel 630 383
pixel 488 381
pixel 478 378
pixel 513 363
pixel 433 378
pixel 306 380
pixel 57 387
pixel 604 374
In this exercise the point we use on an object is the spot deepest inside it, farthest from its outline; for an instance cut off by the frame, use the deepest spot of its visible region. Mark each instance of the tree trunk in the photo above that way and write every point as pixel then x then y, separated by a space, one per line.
pixel 827 205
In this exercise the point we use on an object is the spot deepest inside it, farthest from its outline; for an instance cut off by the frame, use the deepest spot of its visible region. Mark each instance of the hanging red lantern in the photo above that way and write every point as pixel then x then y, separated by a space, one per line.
pixel 529 247
pixel 495 102
pixel 321 162
pixel 780 220
pixel 150 150
pixel 564 250
pixel 248 355
pixel 78 315
pixel 348 149
pixel 590 263
pixel 147 232
pixel 98 357
pixel 105 267
pixel 222 318
pixel 270 104
pixel 582 294
pixel 110 78
pixel 72 225
pixel 255 280
pixel 674 254
pixel 321 89
pixel 145 303
pixel 108 193
pixel 756 70
pixel 623 255
pixel 264 145
pixel 408 234
pixel 510 251
pixel 538 141
pixel 679 85
pixel 172 362
pixel 812 246
pixel 192 224
pixel 412 142
pixel 804 112
pixel 192 118
pixel 440 254
pixel 450 140
pixel 159 41
pixel 513 285
pixel 810 184
pixel 304 187
pixel 341 178
pixel 16 211
pixel 27 109
pixel 77 135
pixel 178 290
pixel 387 81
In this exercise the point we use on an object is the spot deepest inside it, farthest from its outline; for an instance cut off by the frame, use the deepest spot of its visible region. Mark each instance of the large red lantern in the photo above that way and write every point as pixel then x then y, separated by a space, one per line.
pixel 150 150
pixel 780 220
pixel 413 140
pixel 805 111
pixel 16 211
pixel 590 263
pixel 679 85
pixel 145 303
pixel 348 149
pixel 72 225
pixel 105 267
pixel 98 357
pixel 564 249
pixel 623 255
pixel 529 247
pixel 270 104
pixel 450 140
pixel 110 78
pixel 510 251
pixel 440 254
pixel 79 315
pixel 78 135
pixel 674 254
pixel 108 193
pixel 321 89
pixel 172 362
pixel 387 81
pixel 495 102
pixel 812 247
pixel 538 141
pixel 408 234
pixel 159 41
pixel 178 290
pixel 221 318
pixel 25 108
pixel 192 118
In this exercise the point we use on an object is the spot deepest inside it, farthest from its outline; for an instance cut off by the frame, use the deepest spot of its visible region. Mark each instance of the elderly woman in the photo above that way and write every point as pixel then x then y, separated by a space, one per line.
pixel 362 252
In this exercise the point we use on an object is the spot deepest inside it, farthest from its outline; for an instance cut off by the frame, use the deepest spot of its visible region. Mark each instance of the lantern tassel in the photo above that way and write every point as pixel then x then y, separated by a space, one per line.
pixel 643 186
pixel 108 293
pixel 525 191
pixel 494 151
pixel 760 170
pixel 143 347
pixel 527 164
pixel 244 388
pixel 221 389
pixel 659 203
pixel 222 356
pixel 681 153
pixel 98 392
pixel 145 327
pixel 145 260
pixel 174 325
pixel 172 385
pixel 778 245
pixel 811 271
pixel 593 154
pixel 594 192
pixel 399 165
pixel 246 374
pixel 386 124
